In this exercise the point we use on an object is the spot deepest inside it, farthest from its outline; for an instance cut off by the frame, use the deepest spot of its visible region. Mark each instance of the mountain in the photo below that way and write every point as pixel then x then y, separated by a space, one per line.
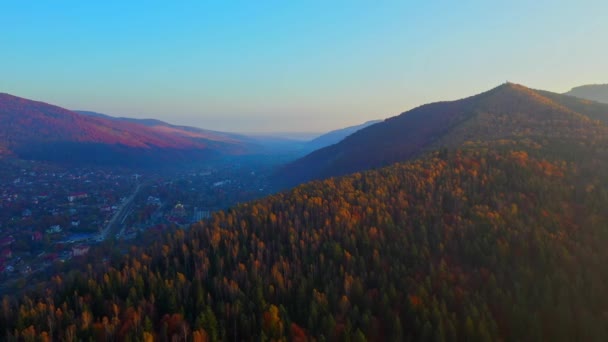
pixel 40 131
pixel 277 143
pixel 336 136
pixel 145 122
pixel 471 245
pixel 164 127
pixel 593 92
pixel 500 237
pixel 296 145
pixel 509 111
pixel 259 144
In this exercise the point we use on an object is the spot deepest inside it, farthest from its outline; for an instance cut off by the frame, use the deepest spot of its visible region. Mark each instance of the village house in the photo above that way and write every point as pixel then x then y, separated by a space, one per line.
pixel 153 201
pixel 6 254
pixel 77 195
pixel 54 229
pixel 80 250
pixel 7 241
pixel 37 236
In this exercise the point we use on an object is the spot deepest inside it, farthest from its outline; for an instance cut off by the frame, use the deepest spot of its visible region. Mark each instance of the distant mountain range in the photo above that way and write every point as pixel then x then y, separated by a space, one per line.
pixel 259 143
pixel 593 92
pixel 40 131
pixel 509 111
pixel 162 127
pixel 338 135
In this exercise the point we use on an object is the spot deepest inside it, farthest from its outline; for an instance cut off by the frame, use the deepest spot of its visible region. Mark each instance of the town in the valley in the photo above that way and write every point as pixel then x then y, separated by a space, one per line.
pixel 51 215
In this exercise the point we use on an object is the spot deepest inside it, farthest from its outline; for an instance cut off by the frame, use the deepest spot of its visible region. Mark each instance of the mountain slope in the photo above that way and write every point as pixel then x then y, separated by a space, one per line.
pixel 507 112
pixel 336 136
pixel 36 130
pixel 164 127
pixel 593 110
pixel 593 92
pixel 258 144
pixel 469 245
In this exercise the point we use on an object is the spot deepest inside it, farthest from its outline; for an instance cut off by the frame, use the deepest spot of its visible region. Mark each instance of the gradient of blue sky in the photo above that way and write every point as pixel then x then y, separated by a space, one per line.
pixel 291 65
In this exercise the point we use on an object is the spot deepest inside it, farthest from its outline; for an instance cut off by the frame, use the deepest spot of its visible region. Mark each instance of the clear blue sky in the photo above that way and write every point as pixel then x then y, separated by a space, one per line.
pixel 291 65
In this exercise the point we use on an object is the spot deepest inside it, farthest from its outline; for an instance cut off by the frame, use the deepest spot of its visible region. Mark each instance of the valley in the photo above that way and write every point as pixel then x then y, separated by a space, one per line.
pixel 51 215
pixel 306 171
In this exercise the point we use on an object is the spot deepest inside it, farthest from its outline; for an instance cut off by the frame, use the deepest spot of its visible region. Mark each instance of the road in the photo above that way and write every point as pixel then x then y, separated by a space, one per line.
pixel 114 226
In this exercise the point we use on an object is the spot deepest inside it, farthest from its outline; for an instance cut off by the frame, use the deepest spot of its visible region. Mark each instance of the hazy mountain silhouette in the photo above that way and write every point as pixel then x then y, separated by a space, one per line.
pixel 334 137
pixel 593 92
pixel 164 127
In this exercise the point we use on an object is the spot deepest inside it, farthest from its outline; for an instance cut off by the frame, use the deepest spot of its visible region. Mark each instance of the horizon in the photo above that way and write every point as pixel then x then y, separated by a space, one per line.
pixel 270 68
pixel 293 135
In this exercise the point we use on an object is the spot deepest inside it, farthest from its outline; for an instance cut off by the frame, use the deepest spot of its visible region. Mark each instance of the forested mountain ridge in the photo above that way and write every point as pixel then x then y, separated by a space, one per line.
pixel 479 244
pixel 509 111
pixel 166 128
pixel 40 131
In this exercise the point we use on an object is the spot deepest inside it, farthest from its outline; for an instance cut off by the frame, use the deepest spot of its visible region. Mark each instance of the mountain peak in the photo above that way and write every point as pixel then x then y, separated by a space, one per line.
pixel 510 84
pixel 508 94
pixel 511 87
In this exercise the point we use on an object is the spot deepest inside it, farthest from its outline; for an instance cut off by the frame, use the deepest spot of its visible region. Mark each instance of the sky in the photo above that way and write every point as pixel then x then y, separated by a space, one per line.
pixel 291 66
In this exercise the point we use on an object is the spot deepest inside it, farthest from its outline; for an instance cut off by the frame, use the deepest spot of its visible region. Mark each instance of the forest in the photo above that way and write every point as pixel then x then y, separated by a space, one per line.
pixel 471 244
